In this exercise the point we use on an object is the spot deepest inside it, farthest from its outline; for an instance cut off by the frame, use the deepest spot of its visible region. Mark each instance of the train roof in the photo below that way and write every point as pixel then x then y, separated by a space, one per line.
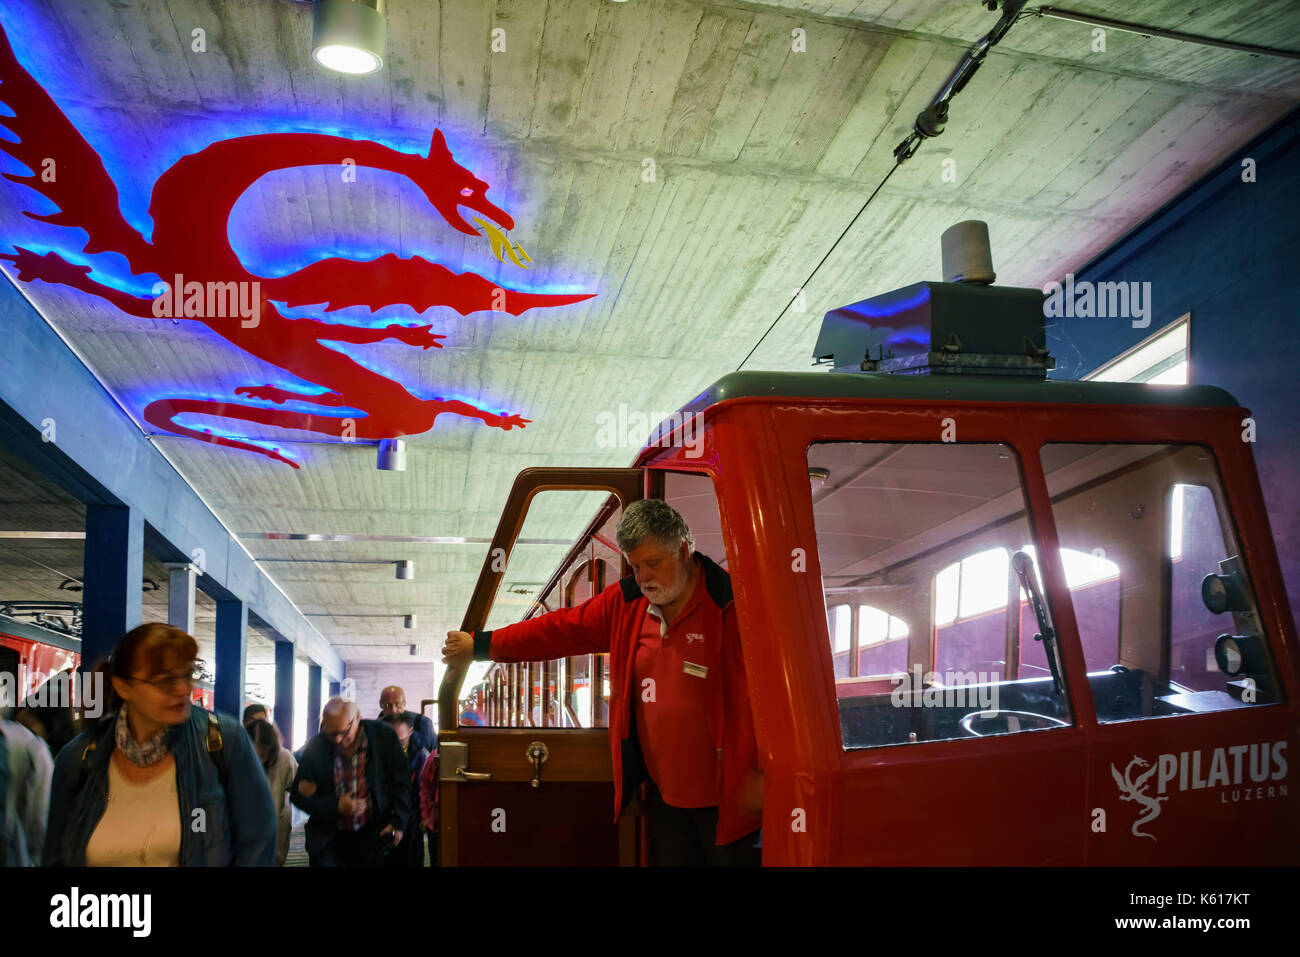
pixel 952 388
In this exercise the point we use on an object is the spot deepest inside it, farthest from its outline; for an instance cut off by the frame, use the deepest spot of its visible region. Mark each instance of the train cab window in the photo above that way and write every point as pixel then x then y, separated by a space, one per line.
pixel 923 545
pixel 1189 637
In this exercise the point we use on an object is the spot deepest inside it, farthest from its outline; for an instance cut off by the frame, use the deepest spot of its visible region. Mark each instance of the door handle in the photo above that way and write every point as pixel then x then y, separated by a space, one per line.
pixel 537 753
pixel 453 763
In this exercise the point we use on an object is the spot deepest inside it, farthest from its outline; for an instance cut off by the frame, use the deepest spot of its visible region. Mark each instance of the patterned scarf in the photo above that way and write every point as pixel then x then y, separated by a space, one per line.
pixel 141 755
pixel 350 778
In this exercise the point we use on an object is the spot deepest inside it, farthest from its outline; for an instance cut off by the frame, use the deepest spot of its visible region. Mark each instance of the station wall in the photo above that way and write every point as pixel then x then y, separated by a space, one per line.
pixel 416 679
pixel 1228 252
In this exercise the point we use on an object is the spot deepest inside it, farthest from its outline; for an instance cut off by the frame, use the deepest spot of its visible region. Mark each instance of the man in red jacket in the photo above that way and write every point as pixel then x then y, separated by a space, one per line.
pixel 679 700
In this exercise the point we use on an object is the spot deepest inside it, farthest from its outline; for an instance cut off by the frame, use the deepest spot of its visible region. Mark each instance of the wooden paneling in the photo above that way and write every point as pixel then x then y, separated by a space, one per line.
pixel 577 754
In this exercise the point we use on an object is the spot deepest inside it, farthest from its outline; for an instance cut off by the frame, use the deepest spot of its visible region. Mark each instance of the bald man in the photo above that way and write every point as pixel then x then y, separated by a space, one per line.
pixel 354 785
pixel 392 700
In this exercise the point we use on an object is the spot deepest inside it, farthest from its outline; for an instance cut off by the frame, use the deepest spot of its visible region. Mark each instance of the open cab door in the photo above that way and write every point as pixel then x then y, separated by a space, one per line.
pixel 535 785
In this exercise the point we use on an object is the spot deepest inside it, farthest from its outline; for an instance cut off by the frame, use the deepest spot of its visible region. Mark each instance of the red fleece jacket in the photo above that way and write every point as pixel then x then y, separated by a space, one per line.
pixel 610 623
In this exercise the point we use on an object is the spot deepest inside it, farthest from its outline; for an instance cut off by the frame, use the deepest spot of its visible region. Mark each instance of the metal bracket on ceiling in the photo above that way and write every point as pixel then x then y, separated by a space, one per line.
pixel 930 122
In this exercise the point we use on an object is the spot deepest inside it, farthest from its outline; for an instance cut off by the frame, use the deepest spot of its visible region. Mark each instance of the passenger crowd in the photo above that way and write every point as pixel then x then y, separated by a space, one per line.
pixel 121 791
pixel 158 781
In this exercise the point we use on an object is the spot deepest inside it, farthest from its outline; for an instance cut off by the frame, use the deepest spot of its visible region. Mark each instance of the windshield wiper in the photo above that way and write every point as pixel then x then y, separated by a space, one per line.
pixel 1024 567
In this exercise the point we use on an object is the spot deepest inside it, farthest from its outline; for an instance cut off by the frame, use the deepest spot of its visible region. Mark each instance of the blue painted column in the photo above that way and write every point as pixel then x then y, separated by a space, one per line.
pixel 284 691
pixel 180 595
pixel 313 699
pixel 232 655
pixel 334 688
pixel 113 579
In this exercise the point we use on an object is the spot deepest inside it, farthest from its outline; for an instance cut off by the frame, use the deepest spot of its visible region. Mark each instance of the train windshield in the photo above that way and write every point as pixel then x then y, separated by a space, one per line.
pixel 938 625
pixel 1175 622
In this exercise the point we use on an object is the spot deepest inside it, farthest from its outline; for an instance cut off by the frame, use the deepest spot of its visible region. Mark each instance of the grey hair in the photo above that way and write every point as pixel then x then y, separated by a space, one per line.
pixel 653 518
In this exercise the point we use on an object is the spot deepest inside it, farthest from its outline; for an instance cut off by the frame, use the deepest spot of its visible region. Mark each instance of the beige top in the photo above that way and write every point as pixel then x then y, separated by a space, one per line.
pixel 141 826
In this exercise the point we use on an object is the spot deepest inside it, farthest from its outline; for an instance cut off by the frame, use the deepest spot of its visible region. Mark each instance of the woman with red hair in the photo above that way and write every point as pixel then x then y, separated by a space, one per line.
pixel 159 781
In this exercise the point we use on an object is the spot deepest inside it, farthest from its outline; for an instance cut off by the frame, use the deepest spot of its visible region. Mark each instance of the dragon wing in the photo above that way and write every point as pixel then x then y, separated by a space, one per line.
pixel 82 189
pixel 1141 779
pixel 1123 785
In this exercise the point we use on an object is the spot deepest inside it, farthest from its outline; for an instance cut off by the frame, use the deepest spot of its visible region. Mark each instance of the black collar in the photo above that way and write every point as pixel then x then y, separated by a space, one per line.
pixel 716 582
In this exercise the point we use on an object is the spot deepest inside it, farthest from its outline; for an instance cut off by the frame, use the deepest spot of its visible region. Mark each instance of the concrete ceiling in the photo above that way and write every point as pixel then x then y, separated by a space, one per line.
pixel 762 158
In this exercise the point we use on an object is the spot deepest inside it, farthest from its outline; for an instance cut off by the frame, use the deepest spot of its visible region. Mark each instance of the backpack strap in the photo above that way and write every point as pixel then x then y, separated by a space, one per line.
pixel 215 749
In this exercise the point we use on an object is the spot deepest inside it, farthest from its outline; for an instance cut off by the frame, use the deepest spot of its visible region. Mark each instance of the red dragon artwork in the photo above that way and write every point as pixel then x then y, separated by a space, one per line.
pixel 191 205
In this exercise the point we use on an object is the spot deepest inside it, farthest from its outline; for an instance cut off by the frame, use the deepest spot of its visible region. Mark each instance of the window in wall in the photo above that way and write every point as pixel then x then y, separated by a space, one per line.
pixel 840 621
pixel 882 642
pixel 1093 582
pixel 978 638
pixel 1160 359
pixel 917 540
pixel 1189 638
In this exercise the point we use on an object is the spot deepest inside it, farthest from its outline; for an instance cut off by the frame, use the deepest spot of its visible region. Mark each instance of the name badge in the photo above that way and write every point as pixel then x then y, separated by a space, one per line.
pixel 697 671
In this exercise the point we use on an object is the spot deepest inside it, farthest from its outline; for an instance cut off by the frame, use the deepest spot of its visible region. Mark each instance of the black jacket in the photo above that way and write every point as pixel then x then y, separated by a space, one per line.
pixel 421 729
pixel 388 784
pixel 415 756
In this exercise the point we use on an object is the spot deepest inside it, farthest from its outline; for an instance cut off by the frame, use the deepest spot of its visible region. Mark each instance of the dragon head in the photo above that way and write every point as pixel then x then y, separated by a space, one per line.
pixel 448 186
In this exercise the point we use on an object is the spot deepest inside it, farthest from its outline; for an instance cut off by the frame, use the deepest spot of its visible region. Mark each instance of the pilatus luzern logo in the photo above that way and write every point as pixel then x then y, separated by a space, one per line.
pixel 1243 772
pixel 1131 789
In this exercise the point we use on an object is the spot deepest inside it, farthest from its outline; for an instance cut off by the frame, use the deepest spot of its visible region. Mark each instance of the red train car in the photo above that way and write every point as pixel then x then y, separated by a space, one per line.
pixel 987 618
pixel 30 655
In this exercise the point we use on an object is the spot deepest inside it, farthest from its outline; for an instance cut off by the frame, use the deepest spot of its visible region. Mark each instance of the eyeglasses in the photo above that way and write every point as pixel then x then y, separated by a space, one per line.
pixel 169 683
pixel 340 735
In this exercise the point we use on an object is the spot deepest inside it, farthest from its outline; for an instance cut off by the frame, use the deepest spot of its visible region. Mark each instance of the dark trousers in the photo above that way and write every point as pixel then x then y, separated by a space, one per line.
pixel 684 836
pixel 410 853
pixel 363 848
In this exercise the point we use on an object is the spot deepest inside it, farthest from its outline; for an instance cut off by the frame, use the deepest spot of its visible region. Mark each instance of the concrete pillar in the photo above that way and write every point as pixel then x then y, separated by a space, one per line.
pixel 232 656
pixel 284 690
pixel 113 579
pixel 180 596
pixel 313 699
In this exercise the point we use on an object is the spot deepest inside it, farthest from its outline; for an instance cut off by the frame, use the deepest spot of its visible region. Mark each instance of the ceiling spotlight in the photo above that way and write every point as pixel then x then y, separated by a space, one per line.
pixel 817 477
pixel 349 35
pixel 408 621
pixel 405 570
pixel 392 455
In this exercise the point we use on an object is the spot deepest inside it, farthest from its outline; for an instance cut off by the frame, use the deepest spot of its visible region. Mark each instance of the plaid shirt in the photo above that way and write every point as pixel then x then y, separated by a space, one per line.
pixel 350 778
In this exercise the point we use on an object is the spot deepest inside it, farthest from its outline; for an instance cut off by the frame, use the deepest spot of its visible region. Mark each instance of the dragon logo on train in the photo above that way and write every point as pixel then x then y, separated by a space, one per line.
pixel 191 204
pixel 1135 790
pixel 1243 772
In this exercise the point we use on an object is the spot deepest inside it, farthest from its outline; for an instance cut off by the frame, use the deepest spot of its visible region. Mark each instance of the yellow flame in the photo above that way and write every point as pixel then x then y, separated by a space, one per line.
pixel 501 243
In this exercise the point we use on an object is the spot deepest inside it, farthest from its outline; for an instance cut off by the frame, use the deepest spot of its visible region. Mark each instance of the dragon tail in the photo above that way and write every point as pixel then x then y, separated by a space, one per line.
pixel 162 413
pixel 66 170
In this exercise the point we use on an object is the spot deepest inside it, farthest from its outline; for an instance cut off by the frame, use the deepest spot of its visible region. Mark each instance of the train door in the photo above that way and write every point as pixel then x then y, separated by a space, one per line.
pixel 10 689
pixel 536 788
pixel 1192 753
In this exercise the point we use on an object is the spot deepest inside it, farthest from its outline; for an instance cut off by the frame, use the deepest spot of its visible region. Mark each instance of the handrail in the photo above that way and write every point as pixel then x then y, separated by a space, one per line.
pixel 627 484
